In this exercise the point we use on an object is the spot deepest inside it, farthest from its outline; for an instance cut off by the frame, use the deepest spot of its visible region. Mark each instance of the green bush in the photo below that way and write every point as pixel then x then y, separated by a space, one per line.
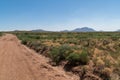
pixel 37 37
pixel 78 58
pixel 59 54
pixel 54 54
pixel 73 57
pixel 24 42
pixel 65 52
pixel 84 57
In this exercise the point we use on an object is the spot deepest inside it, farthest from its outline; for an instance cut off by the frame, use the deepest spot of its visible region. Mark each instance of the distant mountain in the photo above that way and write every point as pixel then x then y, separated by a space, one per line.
pixel 38 30
pixel 65 31
pixel 84 29
pixel 118 30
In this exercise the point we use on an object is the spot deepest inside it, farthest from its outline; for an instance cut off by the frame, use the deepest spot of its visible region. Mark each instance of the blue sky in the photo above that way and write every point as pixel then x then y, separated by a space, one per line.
pixel 59 14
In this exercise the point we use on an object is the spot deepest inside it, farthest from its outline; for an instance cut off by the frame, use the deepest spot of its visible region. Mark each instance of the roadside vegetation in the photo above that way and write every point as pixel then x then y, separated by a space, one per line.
pixel 1 33
pixel 91 55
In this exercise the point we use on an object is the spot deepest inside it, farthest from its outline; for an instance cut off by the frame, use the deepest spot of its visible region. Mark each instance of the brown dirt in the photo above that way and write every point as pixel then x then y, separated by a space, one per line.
pixel 18 62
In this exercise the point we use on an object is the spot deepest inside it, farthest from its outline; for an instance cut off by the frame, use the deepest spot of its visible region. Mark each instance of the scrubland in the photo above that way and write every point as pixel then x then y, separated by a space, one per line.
pixel 90 55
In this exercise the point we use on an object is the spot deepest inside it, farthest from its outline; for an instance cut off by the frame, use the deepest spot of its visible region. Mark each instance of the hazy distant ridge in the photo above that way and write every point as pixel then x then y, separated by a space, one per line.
pixel 38 30
pixel 83 29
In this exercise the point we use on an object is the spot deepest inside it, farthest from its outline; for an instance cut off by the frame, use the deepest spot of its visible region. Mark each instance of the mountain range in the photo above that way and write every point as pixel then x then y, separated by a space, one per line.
pixel 118 30
pixel 83 29
pixel 38 30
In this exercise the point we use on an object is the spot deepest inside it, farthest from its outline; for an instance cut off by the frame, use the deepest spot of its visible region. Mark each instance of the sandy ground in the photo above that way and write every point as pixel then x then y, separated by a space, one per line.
pixel 18 62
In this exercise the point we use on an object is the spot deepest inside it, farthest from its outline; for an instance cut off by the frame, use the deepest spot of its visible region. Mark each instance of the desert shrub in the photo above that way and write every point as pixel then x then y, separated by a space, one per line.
pixel 106 74
pixel 73 57
pixel 114 38
pixel 1 33
pixel 59 54
pixel 54 54
pixel 37 37
pixel 100 63
pixel 84 57
pixel 107 63
pixel 105 42
pixel 72 41
pixel 78 58
pixel 24 42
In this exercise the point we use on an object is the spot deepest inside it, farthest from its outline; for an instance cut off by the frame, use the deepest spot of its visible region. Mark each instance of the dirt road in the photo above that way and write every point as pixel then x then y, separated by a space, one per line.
pixel 18 62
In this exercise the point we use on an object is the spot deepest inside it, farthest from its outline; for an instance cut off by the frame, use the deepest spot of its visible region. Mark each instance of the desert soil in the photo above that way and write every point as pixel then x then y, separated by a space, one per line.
pixel 17 62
